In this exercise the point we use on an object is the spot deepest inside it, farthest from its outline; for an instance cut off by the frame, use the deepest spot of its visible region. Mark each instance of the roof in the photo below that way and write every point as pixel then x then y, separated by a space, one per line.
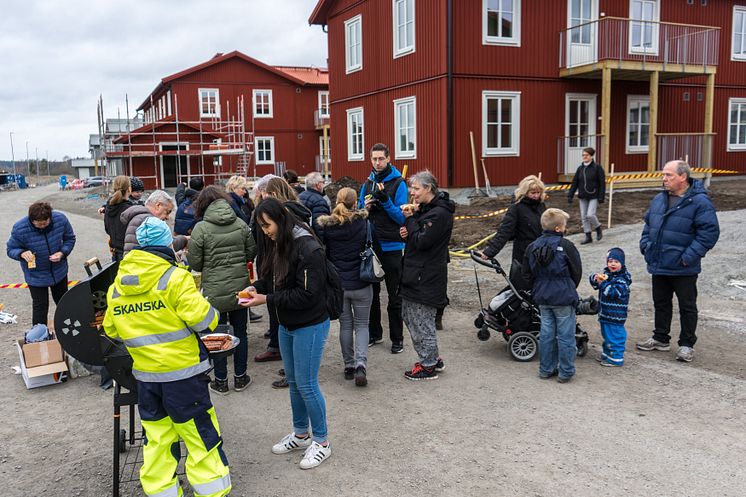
pixel 150 127
pixel 82 163
pixel 320 14
pixel 310 75
pixel 217 59
pixel 118 125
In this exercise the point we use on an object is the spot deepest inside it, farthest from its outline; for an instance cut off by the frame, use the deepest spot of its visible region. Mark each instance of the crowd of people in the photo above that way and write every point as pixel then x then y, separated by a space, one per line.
pixel 291 236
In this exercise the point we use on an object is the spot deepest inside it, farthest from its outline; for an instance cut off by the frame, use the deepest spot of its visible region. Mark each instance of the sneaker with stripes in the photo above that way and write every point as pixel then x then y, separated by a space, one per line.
pixel 291 443
pixel 315 455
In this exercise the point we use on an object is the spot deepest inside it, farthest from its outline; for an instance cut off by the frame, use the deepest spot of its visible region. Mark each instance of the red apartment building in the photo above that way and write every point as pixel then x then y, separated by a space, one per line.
pixel 642 81
pixel 229 115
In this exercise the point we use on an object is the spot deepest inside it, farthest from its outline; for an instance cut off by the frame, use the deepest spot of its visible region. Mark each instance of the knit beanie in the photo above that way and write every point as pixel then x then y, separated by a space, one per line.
pixel 617 254
pixel 154 232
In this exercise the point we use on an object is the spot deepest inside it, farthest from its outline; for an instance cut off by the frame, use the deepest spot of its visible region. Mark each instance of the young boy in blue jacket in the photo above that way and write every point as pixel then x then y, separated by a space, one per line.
pixel 552 266
pixel 613 297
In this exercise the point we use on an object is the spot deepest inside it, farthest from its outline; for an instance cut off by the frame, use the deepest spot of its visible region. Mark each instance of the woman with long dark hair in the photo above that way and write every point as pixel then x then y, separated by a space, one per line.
pixel 115 228
pixel 292 279
pixel 220 247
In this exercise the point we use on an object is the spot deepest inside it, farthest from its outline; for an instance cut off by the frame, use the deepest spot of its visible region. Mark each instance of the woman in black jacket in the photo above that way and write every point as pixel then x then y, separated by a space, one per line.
pixel 590 183
pixel 115 206
pixel 522 222
pixel 344 234
pixel 424 279
pixel 293 280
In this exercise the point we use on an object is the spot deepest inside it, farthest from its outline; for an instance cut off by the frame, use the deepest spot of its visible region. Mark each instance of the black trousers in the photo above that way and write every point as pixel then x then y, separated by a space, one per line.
pixel 40 300
pixel 685 288
pixel 391 262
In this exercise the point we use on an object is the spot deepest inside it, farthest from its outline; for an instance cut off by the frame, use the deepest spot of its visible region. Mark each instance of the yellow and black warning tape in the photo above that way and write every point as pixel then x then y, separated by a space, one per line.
pixel 489 214
pixel 25 285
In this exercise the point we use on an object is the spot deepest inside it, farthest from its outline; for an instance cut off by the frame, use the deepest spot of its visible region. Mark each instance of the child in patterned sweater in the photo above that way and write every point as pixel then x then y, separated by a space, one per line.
pixel 613 296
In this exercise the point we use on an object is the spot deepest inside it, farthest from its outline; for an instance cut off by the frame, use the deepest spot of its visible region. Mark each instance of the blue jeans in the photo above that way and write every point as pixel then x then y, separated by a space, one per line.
pixel 301 351
pixel 557 349
pixel 239 320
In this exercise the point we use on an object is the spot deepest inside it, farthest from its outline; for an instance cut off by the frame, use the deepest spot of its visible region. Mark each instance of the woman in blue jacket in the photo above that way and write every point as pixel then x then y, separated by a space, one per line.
pixel 41 242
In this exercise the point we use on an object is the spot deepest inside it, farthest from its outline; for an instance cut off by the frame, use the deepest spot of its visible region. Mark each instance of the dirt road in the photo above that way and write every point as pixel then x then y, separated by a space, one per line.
pixel 488 426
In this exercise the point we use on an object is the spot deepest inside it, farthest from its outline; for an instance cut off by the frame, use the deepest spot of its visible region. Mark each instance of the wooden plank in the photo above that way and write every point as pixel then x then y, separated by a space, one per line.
pixel 653 129
pixel 606 117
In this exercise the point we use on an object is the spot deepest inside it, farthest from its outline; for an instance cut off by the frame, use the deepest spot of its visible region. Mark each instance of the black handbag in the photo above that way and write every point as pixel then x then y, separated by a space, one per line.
pixel 371 270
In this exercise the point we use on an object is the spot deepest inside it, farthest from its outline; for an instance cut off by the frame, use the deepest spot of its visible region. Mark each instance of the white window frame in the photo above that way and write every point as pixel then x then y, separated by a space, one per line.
pixel 398 152
pixel 733 55
pixel 355 23
pixel 636 149
pixel 400 48
pixel 653 49
pixel 271 140
pixel 741 102
pixel 351 156
pixel 262 91
pixel 515 40
pixel 217 102
pixel 515 131
pixel 322 94
pixel 328 151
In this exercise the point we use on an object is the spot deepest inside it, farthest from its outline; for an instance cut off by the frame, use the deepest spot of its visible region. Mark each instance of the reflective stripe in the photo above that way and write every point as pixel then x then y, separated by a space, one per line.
pixel 163 282
pixel 179 374
pixel 172 491
pixel 212 487
pixel 205 323
pixel 115 294
pixel 130 280
pixel 156 338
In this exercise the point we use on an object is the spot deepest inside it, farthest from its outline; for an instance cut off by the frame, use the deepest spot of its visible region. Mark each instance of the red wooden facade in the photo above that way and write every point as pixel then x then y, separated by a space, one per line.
pixel 531 70
pixel 292 127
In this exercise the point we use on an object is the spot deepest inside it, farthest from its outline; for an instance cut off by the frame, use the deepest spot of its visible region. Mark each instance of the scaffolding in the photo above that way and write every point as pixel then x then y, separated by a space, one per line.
pixel 227 142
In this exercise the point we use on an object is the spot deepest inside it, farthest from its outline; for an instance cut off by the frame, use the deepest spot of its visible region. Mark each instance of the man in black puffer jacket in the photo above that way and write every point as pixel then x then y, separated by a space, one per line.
pixel 313 199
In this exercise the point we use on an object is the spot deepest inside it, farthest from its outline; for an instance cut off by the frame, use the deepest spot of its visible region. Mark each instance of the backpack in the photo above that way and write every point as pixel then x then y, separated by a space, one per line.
pixel 185 219
pixel 334 292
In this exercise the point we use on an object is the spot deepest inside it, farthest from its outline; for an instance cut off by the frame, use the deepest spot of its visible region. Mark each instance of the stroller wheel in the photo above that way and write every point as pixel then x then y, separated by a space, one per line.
pixel 582 348
pixel 484 333
pixel 523 346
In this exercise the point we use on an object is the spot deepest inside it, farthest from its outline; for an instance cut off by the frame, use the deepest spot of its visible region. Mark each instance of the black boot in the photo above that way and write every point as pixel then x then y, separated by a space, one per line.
pixel 588 239
pixel 599 233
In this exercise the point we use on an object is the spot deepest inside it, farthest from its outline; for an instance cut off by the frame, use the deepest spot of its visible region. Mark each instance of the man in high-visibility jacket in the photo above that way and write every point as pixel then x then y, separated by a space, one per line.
pixel 155 309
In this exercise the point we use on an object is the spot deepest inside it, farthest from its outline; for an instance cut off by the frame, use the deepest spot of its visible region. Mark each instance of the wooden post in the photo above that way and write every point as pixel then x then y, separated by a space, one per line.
pixel 709 107
pixel 474 161
pixel 653 129
pixel 606 115
pixel 325 150
pixel 611 194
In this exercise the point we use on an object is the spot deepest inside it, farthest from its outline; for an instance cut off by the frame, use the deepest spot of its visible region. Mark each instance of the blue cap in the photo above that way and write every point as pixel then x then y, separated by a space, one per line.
pixel 617 254
pixel 154 232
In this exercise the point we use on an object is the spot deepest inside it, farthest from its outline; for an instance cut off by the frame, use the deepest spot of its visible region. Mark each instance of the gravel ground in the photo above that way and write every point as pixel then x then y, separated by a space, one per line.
pixel 488 426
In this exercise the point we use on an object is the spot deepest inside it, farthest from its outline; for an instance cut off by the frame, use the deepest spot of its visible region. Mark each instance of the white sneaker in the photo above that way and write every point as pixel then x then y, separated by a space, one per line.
pixel 685 354
pixel 315 455
pixel 291 443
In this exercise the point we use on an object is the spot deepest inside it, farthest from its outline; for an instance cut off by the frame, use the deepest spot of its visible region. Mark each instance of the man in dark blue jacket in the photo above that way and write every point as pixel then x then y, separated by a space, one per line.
pixel 383 194
pixel 314 200
pixel 681 225
pixel 41 242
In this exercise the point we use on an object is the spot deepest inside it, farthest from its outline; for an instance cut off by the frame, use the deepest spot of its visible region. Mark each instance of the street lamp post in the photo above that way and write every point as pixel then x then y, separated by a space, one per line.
pixel 13 157
pixel 38 178
pixel 48 163
pixel 28 164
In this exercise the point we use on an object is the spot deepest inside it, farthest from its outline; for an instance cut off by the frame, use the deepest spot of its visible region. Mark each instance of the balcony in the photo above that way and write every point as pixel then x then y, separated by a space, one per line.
pixel 320 119
pixel 633 49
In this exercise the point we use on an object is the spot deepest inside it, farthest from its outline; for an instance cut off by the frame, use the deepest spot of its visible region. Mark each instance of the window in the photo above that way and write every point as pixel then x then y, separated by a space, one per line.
pixel 355 138
pixel 501 22
pixel 738 46
pixel 643 26
pixel 405 127
pixel 581 14
pixel 354 44
pixel 638 123
pixel 403 27
pixel 323 104
pixel 328 151
pixel 737 124
pixel 209 102
pixel 501 123
pixel 265 149
pixel 262 103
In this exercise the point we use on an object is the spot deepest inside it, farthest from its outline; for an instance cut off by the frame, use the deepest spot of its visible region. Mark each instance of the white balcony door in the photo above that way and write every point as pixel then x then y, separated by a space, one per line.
pixel 582 46
pixel 580 128
pixel 643 26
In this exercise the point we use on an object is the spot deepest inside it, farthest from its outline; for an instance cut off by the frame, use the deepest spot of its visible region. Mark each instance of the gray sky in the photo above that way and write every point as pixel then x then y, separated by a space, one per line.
pixel 56 57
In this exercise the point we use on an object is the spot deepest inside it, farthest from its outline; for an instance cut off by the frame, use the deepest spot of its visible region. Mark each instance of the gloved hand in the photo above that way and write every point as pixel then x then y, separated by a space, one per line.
pixel 381 196
pixel 569 200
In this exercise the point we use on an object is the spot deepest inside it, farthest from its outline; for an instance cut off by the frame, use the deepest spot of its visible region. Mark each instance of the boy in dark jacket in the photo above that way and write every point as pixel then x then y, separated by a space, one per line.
pixel 613 297
pixel 553 268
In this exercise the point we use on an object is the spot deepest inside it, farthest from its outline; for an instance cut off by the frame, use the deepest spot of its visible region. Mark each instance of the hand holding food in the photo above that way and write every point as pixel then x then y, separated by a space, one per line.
pixel 601 277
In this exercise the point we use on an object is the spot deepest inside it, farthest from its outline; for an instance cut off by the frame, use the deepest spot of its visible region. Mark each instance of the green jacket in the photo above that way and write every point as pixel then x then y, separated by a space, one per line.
pixel 220 247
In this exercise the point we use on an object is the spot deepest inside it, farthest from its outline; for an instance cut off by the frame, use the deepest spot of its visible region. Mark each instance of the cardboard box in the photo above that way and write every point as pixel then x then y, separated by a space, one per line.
pixel 42 353
pixel 39 376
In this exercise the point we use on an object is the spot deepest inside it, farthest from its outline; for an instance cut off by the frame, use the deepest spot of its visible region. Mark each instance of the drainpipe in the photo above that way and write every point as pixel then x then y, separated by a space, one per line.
pixel 449 104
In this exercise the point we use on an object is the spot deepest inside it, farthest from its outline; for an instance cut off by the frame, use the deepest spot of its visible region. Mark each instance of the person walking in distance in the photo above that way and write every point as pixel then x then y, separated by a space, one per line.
pixel 590 183
pixel 681 226
pixel 383 194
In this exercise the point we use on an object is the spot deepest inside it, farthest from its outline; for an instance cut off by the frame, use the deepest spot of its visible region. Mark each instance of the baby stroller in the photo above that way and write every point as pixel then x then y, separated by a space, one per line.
pixel 513 314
